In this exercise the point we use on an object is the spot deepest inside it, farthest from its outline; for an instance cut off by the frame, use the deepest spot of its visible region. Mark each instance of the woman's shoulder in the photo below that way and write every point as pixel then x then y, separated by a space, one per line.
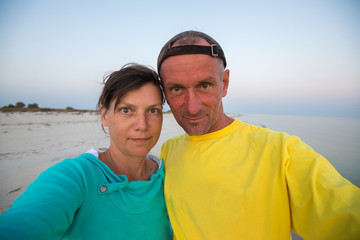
pixel 75 166
pixel 155 159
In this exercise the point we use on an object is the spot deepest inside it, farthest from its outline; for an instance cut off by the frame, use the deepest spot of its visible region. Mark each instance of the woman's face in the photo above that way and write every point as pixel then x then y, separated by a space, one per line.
pixel 135 125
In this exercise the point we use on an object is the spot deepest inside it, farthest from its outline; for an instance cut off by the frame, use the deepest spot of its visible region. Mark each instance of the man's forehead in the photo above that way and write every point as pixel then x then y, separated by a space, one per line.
pixel 189 68
pixel 189 62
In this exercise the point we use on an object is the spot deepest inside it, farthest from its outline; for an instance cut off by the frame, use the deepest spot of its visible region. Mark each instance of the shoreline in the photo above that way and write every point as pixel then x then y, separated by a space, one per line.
pixel 33 141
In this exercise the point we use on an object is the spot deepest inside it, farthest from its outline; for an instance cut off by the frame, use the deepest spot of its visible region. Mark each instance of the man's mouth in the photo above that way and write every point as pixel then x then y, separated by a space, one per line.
pixel 193 119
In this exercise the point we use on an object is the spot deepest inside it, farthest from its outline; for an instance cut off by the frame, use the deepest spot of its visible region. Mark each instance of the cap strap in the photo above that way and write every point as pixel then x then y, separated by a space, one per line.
pixel 194 49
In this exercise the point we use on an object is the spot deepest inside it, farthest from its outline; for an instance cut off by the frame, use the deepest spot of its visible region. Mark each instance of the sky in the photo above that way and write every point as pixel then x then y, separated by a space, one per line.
pixel 285 57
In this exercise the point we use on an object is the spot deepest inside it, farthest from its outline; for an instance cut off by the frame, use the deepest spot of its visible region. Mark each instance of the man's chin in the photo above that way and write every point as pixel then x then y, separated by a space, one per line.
pixel 194 130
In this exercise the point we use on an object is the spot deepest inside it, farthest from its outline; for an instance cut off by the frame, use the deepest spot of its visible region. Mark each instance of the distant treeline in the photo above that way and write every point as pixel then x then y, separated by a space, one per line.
pixel 22 105
pixel 34 107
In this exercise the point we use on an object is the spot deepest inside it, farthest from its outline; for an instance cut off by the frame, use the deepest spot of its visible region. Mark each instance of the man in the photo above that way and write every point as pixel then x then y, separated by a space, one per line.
pixel 226 179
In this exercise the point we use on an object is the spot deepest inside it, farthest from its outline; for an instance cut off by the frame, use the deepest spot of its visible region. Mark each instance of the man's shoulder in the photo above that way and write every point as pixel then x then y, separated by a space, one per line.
pixel 258 133
pixel 257 129
pixel 175 139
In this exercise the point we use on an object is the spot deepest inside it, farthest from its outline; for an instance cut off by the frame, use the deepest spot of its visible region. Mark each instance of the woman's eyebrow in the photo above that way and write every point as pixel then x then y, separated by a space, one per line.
pixel 130 105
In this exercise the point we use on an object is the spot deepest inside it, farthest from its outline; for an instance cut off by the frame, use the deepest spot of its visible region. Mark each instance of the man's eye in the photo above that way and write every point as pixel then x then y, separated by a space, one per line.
pixel 125 110
pixel 205 85
pixel 175 89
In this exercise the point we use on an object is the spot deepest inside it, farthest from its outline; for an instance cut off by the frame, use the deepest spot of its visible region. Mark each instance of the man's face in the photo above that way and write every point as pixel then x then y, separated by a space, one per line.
pixel 194 85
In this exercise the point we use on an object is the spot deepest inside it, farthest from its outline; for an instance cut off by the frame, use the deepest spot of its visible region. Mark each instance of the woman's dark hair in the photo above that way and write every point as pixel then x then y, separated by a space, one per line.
pixel 130 77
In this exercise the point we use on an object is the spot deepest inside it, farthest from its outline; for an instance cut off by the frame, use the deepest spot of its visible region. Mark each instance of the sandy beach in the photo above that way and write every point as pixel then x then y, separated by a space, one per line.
pixel 32 142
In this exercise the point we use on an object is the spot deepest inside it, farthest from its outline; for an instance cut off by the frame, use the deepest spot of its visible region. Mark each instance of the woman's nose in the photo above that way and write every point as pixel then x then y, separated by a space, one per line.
pixel 140 123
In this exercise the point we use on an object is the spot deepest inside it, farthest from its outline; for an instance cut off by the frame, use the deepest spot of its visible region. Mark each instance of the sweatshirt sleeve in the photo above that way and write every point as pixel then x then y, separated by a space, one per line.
pixel 163 152
pixel 324 205
pixel 47 207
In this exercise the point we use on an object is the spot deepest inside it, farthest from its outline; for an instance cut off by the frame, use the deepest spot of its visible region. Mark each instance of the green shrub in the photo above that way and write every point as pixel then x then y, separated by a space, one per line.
pixel 20 105
pixel 33 105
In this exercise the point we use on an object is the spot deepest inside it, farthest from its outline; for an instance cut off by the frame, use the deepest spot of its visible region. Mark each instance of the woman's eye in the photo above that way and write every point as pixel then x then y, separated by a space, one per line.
pixel 125 110
pixel 154 111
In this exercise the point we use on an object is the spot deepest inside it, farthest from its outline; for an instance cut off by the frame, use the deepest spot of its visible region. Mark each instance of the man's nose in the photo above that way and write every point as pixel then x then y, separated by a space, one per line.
pixel 192 102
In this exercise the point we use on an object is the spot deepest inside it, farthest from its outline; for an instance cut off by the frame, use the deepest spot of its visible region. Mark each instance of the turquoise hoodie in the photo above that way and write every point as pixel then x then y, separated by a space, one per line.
pixel 82 198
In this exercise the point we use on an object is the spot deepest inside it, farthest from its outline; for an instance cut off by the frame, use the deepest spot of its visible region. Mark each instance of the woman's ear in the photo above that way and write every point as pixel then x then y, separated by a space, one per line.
pixel 104 116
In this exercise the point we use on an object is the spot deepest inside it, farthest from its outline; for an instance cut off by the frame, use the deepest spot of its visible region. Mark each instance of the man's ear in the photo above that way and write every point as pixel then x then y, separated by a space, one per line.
pixel 104 120
pixel 226 75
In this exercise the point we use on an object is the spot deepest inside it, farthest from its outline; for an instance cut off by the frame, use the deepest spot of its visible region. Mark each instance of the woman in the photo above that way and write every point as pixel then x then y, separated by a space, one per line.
pixel 117 194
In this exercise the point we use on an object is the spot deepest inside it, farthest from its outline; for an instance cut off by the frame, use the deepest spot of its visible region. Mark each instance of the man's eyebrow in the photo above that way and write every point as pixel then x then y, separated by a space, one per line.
pixel 207 79
pixel 173 84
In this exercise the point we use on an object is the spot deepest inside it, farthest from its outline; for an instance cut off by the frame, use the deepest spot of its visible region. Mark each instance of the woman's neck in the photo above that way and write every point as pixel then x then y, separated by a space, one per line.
pixel 135 168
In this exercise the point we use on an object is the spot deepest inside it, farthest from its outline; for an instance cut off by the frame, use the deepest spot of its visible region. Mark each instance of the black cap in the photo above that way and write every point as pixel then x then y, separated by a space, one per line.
pixel 214 49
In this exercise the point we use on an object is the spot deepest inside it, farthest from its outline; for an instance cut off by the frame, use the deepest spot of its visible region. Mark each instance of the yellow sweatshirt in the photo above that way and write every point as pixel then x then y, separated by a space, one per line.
pixel 248 182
